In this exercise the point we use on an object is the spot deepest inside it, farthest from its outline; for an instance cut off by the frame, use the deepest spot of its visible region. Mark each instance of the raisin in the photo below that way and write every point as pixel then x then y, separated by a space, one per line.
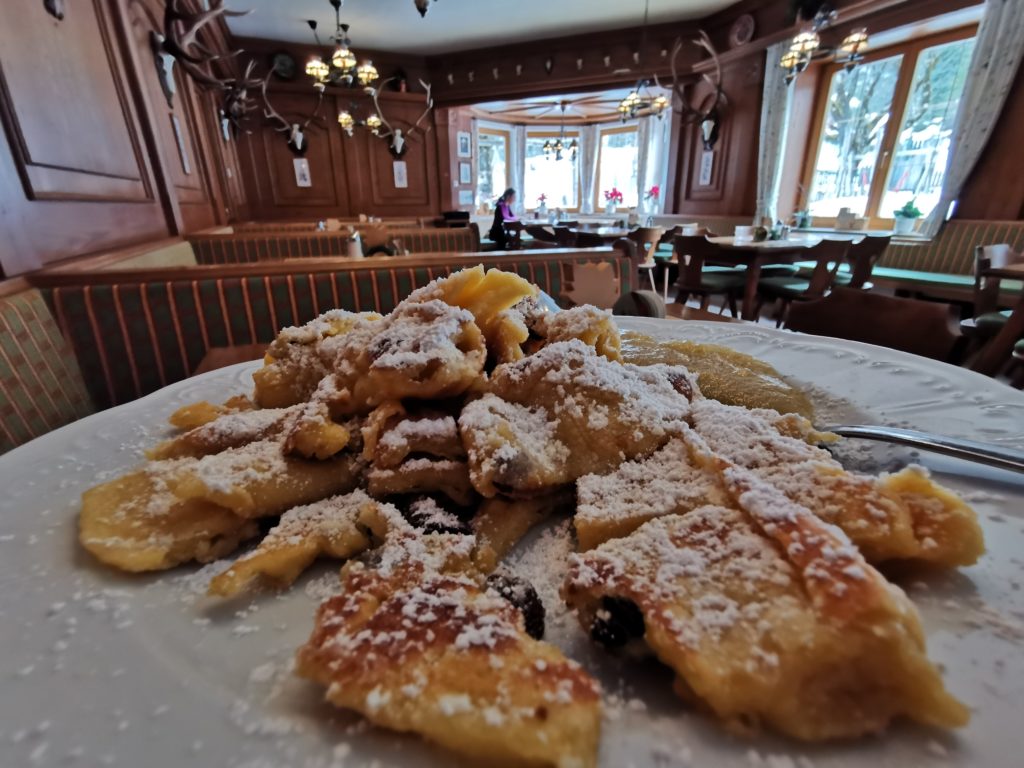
pixel 431 517
pixel 618 622
pixel 524 597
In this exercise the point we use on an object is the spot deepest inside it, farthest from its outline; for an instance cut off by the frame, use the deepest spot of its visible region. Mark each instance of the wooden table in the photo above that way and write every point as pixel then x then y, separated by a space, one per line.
pixel 608 234
pixel 222 357
pixel 678 311
pixel 753 255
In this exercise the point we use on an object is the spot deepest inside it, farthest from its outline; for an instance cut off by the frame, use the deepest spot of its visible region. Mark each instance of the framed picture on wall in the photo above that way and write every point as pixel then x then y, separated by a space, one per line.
pixel 465 140
pixel 465 173
pixel 465 197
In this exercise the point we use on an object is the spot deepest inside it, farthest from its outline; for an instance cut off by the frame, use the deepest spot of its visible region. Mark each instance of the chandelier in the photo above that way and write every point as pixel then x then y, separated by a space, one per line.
pixel 341 68
pixel 640 102
pixel 557 147
pixel 807 47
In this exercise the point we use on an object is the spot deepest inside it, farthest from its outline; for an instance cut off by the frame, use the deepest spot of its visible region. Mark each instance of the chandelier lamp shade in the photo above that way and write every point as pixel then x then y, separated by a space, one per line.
pixel 342 68
pixel 558 148
pixel 641 102
pixel 806 47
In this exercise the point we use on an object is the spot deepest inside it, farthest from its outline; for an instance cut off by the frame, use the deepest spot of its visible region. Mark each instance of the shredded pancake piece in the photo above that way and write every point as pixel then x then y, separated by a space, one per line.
pixel 767 615
pixel 419 643
pixel 565 412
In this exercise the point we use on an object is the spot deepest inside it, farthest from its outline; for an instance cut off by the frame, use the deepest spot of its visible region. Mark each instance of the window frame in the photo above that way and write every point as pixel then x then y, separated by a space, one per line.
pixel 910 50
pixel 570 133
pixel 601 133
pixel 505 134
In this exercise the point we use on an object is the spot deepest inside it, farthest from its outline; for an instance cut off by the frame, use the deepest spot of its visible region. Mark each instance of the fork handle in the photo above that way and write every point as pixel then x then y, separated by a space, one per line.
pixel 984 453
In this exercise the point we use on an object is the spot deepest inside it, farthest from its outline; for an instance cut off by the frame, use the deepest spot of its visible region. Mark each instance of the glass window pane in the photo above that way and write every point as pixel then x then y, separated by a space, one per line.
pixel 922 145
pixel 492 167
pixel 558 180
pixel 619 154
pixel 855 118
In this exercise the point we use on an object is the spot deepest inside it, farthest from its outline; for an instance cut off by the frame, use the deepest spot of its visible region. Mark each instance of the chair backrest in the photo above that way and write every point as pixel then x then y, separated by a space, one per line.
pixel 513 235
pixel 986 287
pixel 588 240
pixel 863 255
pixel 590 284
pixel 827 255
pixel 920 327
pixel 646 238
pixel 693 252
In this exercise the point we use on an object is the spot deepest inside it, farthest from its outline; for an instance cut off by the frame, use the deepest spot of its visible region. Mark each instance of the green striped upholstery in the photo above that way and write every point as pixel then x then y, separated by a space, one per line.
pixel 952 250
pixel 41 386
pixel 249 248
pixel 132 338
pixel 243 249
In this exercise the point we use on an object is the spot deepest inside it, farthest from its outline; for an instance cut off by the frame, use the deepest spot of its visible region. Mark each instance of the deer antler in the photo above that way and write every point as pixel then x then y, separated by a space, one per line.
pixel 430 106
pixel 180 37
pixel 374 93
pixel 273 114
pixel 714 79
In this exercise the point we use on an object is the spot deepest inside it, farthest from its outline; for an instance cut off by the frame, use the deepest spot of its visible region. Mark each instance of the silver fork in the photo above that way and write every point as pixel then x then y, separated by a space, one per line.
pixel 984 453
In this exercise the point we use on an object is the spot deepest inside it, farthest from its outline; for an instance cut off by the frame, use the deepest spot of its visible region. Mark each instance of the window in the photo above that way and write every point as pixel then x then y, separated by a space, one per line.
pixel 618 155
pixel 557 180
pixel 493 171
pixel 884 129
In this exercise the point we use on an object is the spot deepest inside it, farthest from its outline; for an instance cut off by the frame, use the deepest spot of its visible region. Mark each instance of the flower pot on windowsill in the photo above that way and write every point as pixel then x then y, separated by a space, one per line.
pixel 610 207
pixel 904 225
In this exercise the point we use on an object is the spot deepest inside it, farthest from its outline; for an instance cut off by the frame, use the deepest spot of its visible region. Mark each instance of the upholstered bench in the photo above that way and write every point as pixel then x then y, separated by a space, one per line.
pixel 944 266
pixel 41 386
pixel 136 331
pixel 249 248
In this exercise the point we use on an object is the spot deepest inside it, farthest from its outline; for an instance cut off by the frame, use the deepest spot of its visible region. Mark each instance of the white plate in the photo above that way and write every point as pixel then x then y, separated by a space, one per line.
pixel 97 668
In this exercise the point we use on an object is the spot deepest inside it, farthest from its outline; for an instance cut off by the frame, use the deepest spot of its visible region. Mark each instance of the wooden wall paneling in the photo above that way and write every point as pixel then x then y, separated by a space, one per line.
pixel 224 153
pixel 42 94
pixel 733 186
pixel 174 129
pixel 75 175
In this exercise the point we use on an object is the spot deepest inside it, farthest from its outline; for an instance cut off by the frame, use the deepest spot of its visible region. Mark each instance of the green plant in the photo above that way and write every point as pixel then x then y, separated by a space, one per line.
pixel 908 211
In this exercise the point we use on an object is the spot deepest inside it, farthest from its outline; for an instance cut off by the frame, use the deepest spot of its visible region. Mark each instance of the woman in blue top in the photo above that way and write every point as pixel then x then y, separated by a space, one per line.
pixel 502 213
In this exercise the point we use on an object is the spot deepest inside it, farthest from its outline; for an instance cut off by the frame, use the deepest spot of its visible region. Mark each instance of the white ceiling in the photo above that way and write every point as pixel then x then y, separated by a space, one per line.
pixel 454 25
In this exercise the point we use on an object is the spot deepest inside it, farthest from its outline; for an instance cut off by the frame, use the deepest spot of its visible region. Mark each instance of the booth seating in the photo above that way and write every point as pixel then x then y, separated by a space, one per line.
pixel 41 385
pixel 136 331
pixel 244 249
pixel 252 227
pixel 943 267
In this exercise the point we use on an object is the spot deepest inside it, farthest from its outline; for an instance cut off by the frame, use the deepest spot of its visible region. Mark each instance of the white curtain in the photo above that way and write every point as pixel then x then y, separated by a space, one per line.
pixel 998 50
pixel 589 138
pixel 517 162
pixel 653 135
pixel 775 104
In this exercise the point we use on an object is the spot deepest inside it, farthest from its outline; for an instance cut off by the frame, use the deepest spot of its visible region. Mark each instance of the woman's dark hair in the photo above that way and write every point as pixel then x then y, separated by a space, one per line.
pixel 506 195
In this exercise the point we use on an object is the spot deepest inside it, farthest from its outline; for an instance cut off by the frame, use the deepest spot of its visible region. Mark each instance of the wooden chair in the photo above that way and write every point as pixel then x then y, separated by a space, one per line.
pixel 862 257
pixel 647 239
pixel 988 319
pixel 693 254
pixel 924 328
pixel 640 304
pixel 1001 347
pixel 513 235
pixel 590 284
pixel 828 256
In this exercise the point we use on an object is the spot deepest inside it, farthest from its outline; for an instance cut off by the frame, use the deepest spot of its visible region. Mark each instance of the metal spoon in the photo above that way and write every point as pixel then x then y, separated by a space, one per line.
pixel 983 453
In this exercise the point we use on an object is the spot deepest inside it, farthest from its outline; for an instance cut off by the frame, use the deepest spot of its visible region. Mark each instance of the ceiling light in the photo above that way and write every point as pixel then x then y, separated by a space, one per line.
pixel 807 46
pixel 341 68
